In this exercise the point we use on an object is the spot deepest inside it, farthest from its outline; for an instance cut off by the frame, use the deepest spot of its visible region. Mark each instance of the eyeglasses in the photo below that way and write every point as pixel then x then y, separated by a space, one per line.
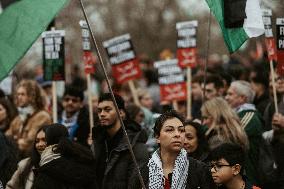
pixel 67 99
pixel 216 167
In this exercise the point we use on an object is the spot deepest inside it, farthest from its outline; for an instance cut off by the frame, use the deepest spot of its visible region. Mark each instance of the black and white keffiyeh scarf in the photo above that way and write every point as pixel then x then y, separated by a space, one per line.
pixel 179 178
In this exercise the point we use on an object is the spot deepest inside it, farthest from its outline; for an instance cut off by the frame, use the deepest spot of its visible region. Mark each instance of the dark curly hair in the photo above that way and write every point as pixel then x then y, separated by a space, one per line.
pixel 163 118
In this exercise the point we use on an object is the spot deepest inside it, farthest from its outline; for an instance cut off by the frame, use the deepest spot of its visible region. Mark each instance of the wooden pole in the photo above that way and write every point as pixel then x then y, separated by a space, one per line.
pixel 273 86
pixel 188 87
pixel 90 104
pixel 54 102
pixel 133 92
pixel 175 105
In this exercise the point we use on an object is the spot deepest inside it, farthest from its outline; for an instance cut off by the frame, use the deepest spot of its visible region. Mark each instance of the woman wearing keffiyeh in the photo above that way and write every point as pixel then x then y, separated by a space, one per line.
pixel 170 167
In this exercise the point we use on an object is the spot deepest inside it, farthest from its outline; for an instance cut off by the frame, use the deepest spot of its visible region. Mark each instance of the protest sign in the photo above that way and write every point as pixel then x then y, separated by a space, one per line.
pixel 186 43
pixel 269 40
pixel 280 45
pixel 53 55
pixel 125 66
pixel 171 80
pixel 88 57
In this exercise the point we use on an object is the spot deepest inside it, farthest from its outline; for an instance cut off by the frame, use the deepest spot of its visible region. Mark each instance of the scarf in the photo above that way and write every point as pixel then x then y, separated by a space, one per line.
pixel 245 106
pixel 25 112
pixel 48 155
pixel 70 123
pixel 179 178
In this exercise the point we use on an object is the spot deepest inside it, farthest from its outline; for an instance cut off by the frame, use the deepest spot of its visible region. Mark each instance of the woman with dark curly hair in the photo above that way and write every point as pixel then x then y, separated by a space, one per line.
pixel 170 166
pixel 195 142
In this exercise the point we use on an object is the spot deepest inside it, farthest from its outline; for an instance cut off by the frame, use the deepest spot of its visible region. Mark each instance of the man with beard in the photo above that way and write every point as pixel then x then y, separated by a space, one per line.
pixel 75 116
pixel 114 166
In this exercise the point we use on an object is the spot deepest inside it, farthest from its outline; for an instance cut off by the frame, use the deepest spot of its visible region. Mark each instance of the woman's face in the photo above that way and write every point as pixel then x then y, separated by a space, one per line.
pixel 147 101
pixel 40 142
pixel 3 113
pixel 191 140
pixel 171 137
pixel 139 118
pixel 206 119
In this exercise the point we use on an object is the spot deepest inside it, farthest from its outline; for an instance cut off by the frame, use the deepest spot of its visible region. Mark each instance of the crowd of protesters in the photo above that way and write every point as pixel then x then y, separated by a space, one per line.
pixel 219 146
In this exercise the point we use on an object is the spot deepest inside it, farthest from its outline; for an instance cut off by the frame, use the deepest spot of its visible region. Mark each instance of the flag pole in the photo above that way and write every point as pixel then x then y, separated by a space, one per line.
pixel 54 97
pixel 54 102
pixel 273 86
pixel 112 95
pixel 207 55
pixel 91 116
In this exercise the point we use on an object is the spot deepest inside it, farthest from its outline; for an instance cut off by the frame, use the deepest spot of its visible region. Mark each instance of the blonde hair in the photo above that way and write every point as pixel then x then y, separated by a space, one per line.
pixel 225 122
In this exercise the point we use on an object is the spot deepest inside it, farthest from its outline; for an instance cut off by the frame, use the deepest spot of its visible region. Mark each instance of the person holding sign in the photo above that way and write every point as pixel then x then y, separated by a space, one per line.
pixel 114 166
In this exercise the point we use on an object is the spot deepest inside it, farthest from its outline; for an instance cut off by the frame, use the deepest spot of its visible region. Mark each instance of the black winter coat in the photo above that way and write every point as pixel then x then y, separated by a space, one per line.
pixel 63 173
pixel 120 170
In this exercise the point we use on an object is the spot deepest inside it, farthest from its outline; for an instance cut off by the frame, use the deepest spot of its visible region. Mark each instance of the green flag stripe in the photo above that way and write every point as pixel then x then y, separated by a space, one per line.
pixel 234 38
pixel 21 24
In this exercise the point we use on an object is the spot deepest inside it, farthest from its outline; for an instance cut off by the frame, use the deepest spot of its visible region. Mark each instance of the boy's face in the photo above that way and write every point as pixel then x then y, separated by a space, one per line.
pixel 222 172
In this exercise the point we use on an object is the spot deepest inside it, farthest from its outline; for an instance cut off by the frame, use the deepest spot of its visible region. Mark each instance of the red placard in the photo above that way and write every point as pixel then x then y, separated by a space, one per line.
pixel 271 49
pixel 176 91
pixel 186 57
pixel 280 45
pixel 126 71
pixel 280 64
pixel 89 62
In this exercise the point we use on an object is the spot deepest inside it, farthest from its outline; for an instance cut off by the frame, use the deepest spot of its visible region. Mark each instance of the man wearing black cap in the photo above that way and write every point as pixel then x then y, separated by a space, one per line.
pixel 75 115
pixel 114 166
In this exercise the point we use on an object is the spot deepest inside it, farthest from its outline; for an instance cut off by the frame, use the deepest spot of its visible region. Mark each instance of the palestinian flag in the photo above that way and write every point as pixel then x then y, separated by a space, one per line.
pixel 238 19
pixel 21 24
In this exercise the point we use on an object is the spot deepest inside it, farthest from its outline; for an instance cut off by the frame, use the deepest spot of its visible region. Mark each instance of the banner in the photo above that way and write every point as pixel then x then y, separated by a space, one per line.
pixel 252 27
pixel 122 57
pixel 269 40
pixel 186 43
pixel 171 80
pixel 21 24
pixel 280 45
pixel 53 55
pixel 88 58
